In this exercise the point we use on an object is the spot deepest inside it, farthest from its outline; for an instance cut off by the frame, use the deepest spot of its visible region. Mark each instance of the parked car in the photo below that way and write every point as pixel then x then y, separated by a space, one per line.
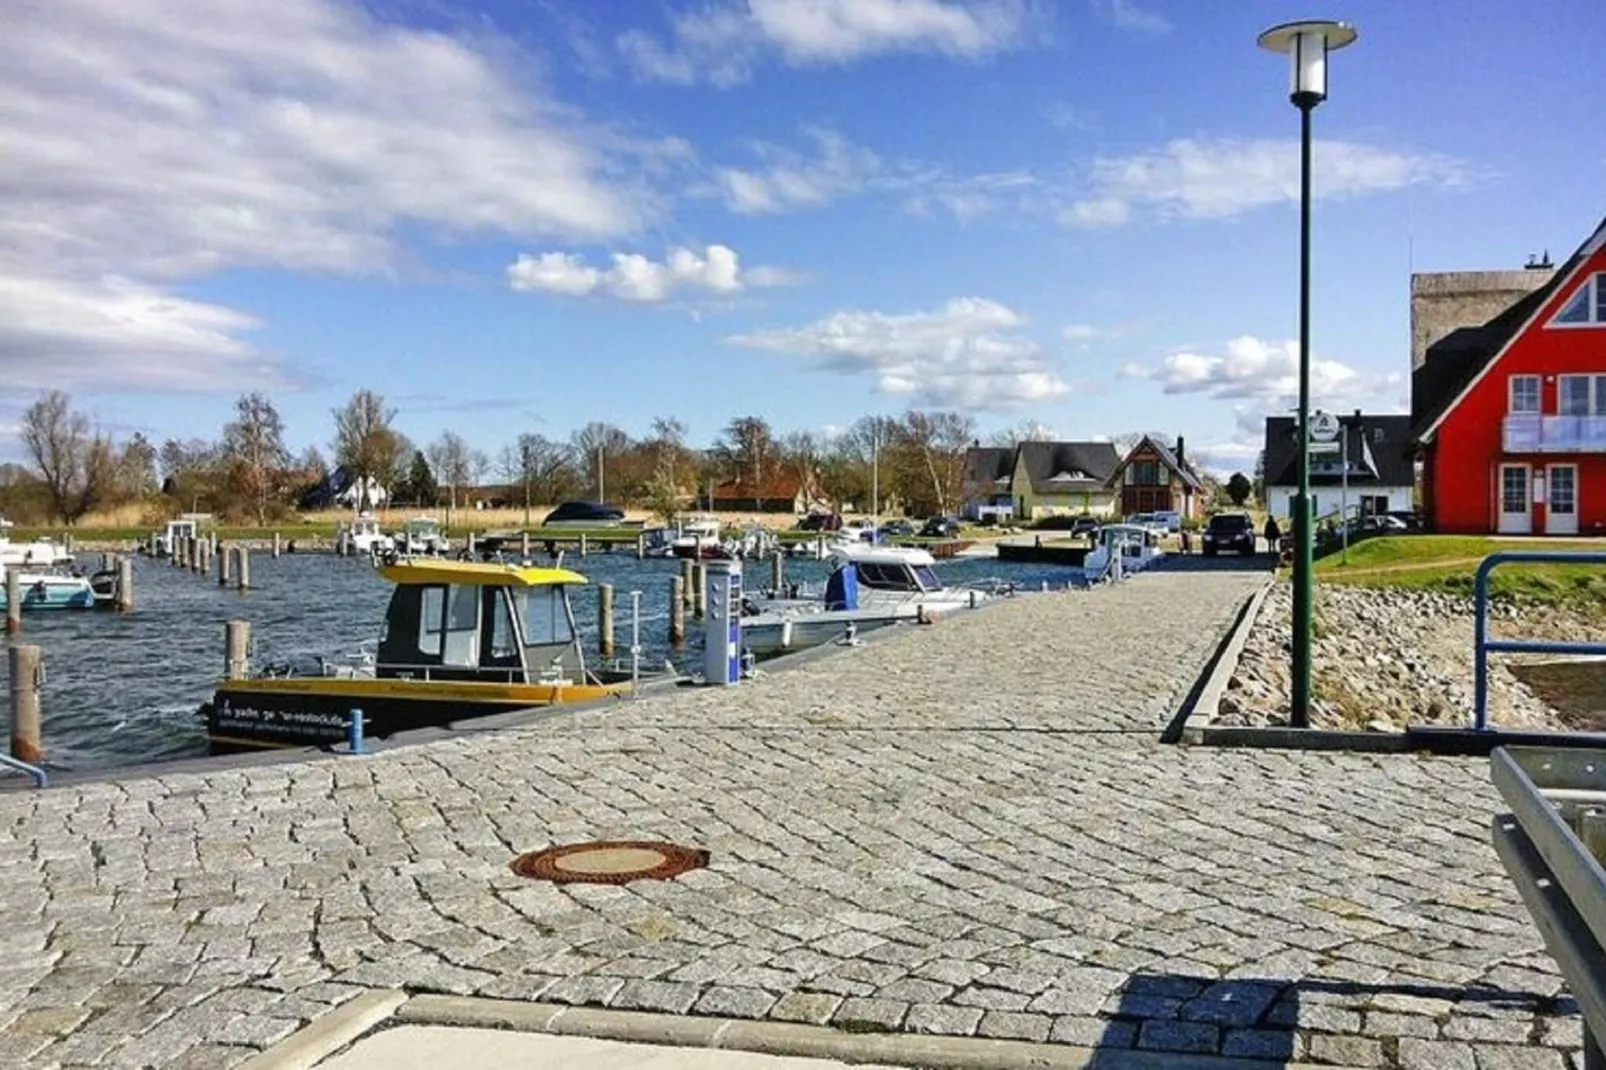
pixel 940 527
pixel 1411 520
pixel 1082 525
pixel 1172 520
pixel 820 522
pixel 1151 521
pixel 1229 532
pixel 584 515
pixel 896 528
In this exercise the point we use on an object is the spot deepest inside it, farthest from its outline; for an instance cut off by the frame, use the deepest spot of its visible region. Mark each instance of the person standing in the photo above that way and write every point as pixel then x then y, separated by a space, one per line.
pixel 1273 535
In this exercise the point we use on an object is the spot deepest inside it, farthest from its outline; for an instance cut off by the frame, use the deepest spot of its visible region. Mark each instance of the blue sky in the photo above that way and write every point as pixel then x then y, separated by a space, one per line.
pixel 529 214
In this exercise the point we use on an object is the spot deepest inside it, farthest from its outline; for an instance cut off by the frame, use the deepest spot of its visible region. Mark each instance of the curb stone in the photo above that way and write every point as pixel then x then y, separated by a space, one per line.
pixel 310 1046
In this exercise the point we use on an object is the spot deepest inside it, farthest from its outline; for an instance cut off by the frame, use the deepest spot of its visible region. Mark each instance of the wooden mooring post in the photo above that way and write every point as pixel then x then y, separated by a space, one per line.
pixel 125 584
pixel 605 619
pixel 699 589
pixel 203 563
pixel 641 546
pixel 245 568
pixel 13 601
pixel 26 675
pixel 224 571
pixel 686 564
pixel 582 544
pixel 677 611
pixel 777 572
pixel 524 546
pixel 236 650
pixel 275 544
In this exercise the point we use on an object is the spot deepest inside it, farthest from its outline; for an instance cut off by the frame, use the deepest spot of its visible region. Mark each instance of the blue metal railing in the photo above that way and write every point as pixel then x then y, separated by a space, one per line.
pixel 40 777
pixel 1484 645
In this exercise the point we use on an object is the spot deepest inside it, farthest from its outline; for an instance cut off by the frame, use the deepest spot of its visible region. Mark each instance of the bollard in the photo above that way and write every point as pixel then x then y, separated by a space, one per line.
pixel 605 619
pixel 677 611
pixel 224 560
pixel 27 673
pixel 275 544
pixel 13 601
pixel 699 590
pixel 777 572
pixel 244 563
pixel 685 581
pixel 354 731
pixel 236 650
pixel 125 584
pixel 973 598
pixel 786 634
pixel 582 544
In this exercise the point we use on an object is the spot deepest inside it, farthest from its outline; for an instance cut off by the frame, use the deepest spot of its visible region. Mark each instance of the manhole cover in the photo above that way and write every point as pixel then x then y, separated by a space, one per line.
pixel 614 862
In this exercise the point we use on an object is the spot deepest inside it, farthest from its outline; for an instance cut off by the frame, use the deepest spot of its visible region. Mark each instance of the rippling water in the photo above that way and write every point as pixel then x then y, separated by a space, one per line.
pixel 120 690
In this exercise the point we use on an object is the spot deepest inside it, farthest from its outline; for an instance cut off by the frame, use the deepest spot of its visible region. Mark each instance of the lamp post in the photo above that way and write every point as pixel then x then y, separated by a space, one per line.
pixel 1307 45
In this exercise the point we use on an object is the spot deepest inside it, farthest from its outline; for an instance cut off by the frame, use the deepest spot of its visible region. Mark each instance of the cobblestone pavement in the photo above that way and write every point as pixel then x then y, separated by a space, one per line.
pixel 966 829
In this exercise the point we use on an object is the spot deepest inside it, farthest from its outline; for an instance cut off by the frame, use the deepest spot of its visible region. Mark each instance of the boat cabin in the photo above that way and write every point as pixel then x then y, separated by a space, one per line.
pixel 366 526
pixel 462 620
pixel 891 569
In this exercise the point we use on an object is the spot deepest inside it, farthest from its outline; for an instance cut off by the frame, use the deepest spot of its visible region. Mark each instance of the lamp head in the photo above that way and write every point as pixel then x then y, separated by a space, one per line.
pixel 1307 45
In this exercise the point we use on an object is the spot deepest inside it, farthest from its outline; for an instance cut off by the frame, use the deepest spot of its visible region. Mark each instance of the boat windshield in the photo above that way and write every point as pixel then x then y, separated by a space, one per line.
pixel 544 616
pixel 927 578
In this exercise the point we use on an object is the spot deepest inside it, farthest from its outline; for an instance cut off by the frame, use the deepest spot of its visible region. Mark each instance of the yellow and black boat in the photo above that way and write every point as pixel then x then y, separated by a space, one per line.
pixel 462 639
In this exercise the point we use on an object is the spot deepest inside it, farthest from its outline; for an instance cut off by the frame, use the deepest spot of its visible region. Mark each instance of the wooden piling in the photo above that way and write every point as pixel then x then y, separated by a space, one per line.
pixel 105 562
pixel 125 584
pixel 236 650
pixel 225 573
pixel 471 546
pixel 244 563
pixel 275 544
pixel 641 546
pixel 777 572
pixel 677 611
pixel 13 601
pixel 699 590
pixel 524 546
pixel 605 619
pixel 25 675
pixel 582 544
pixel 686 564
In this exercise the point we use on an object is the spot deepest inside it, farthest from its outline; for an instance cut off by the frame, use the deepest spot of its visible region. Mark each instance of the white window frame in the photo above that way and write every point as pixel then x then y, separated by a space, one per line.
pixel 1594 396
pixel 1594 288
pixel 1511 396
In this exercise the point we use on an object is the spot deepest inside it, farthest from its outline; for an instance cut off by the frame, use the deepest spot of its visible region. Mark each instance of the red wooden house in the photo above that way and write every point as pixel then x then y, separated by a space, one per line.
pixel 1509 418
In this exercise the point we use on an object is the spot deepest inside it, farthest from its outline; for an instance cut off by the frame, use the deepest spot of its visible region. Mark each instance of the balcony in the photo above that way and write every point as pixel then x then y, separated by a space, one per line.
pixel 1554 434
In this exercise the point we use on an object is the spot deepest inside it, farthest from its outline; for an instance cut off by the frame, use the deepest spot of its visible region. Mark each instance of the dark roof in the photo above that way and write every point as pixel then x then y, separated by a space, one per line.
pixel 1068 467
pixel 782 486
pixel 984 467
pixel 1455 360
pixel 1380 452
pixel 1167 457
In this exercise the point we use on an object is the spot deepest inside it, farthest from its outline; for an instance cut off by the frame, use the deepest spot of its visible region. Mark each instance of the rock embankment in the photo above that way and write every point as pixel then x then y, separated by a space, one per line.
pixel 1389 657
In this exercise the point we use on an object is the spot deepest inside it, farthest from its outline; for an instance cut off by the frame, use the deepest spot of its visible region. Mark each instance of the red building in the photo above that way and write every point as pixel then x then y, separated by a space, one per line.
pixel 1509 417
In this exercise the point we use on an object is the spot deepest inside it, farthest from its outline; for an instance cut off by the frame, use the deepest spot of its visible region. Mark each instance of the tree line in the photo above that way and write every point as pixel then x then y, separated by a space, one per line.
pixel 249 474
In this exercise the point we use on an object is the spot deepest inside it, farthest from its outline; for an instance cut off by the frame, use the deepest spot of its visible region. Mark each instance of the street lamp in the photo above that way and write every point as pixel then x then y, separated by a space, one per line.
pixel 1307 45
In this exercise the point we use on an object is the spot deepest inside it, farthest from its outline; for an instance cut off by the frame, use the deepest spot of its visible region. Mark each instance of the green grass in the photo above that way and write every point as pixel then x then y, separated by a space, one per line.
pixel 1448 563
pixel 289 530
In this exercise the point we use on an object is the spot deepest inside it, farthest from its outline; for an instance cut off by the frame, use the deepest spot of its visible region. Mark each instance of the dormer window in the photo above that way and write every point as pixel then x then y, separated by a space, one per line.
pixel 1587 307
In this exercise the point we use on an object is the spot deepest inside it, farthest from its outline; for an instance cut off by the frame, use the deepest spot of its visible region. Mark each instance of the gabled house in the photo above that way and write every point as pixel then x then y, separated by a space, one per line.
pixel 1377 451
pixel 1038 479
pixel 1509 416
pixel 1153 478
pixel 783 492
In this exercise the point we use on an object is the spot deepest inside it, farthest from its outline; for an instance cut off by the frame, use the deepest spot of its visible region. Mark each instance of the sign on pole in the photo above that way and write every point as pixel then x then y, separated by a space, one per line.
pixel 1324 432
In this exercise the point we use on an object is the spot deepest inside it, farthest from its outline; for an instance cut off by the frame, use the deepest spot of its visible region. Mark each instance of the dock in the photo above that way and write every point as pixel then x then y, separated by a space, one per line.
pixel 964 830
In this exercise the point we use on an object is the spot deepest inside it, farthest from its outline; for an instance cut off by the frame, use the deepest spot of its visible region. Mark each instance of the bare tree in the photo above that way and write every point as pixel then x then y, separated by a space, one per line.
pixel 76 465
pixel 802 452
pixel 939 440
pixel 595 443
pixel 365 444
pixel 450 457
pixel 254 445
pixel 1025 431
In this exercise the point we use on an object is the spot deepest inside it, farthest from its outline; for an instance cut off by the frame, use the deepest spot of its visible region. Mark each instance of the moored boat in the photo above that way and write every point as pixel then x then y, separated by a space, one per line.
pixel 38 554
pixel 462 639
pixel 1136 545
pixel 51 590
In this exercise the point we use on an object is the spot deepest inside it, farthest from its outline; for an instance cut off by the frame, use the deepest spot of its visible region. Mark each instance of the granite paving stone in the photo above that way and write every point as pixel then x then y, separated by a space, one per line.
pixel 933 832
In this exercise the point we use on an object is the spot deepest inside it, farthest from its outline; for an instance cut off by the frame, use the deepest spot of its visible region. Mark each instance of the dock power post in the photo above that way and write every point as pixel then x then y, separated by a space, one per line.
pixel 722 634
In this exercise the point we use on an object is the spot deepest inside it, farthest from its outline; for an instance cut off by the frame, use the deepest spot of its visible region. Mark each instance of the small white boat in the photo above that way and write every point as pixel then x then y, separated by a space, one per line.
pixel 40 553
pixel 366 538
pixel 699 537
pixel 1137 546
pixel 52 590
pixel 422 536
pixel 177 531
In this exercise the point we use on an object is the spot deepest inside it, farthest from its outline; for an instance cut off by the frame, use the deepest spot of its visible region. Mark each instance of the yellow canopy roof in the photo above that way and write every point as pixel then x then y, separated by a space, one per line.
pixel 477 574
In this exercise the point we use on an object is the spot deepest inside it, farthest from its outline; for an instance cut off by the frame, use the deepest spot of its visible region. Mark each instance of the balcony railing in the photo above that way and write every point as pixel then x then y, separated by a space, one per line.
pixel 1554 434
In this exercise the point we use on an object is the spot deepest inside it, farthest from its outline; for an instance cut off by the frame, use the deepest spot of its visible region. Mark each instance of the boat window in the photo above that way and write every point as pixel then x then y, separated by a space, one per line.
pixel 546 621
pixel 431 614
pixel 504 644
pixel 927 577
pixel 883 577
pixel 462 627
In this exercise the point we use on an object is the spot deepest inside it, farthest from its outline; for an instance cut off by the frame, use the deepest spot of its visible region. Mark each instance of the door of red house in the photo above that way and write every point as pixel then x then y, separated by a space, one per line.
pixel 1561 500
pixel 1515 500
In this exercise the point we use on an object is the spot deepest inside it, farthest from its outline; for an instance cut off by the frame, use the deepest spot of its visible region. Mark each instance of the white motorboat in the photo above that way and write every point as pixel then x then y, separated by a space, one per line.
pixel 420 536
pixel 40 553
pixel 187 526
pixel 1136 546
pixel 698 537
pixel 52 590
pixel 366 538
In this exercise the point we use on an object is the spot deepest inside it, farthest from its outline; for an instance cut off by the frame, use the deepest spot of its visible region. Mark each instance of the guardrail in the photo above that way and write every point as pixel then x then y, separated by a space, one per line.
pixel 40 777
pixel 1484 646
pixel 1553 844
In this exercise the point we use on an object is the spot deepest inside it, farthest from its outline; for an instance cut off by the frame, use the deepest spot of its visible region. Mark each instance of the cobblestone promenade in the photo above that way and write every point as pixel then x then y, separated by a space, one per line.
pixel 967 829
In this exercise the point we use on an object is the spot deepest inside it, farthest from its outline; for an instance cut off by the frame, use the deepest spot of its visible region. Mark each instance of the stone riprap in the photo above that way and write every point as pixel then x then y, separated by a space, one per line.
pixel 964 829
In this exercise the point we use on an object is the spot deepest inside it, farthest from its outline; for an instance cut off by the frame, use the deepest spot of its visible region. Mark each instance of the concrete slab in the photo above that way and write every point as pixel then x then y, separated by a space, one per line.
pixel 426 1047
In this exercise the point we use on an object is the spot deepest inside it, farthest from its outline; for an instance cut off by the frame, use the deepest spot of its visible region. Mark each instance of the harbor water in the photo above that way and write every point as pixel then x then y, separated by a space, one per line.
pixel 125 689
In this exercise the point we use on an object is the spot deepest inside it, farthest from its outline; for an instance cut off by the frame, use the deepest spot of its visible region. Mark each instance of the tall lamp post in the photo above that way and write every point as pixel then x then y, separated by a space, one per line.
pixel 1307 45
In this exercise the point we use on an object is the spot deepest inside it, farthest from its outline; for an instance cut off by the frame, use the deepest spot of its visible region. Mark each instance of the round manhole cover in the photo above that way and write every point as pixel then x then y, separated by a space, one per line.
pixel 611 862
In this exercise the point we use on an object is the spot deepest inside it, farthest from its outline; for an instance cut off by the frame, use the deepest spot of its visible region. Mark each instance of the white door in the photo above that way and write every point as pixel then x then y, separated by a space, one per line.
pixel 1561 493
pixel 1516 506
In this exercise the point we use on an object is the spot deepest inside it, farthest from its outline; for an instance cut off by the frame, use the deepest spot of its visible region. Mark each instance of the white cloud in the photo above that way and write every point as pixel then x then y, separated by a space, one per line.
pixel 1223 178
pixel 163 141
pixel 1127 15
pixel 633 277
pixel 722 42
pixel 1253 368
pixel 790 180
pixel 967 354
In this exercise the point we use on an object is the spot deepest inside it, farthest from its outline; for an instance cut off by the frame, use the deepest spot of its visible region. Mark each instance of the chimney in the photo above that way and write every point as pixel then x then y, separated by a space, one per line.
pixel 1182 459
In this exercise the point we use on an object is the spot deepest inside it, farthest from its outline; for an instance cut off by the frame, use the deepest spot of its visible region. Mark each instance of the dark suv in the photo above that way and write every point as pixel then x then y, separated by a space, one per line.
pixel 1229 531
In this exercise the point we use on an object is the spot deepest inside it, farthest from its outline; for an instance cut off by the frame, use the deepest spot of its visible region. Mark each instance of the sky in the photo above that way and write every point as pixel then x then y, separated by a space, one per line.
pixel 525 215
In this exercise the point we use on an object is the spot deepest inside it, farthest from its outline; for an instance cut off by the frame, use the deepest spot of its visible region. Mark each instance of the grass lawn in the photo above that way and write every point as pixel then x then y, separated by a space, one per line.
pixel 1448 563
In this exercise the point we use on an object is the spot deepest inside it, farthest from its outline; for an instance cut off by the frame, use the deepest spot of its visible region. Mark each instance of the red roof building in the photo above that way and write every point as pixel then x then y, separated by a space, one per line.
pixel 1509 417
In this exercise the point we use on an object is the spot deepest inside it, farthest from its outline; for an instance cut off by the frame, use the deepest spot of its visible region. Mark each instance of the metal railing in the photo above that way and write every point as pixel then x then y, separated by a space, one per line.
pixel 1553 844
pixel 1484 646
pixel 40 777
pixel 1533 433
